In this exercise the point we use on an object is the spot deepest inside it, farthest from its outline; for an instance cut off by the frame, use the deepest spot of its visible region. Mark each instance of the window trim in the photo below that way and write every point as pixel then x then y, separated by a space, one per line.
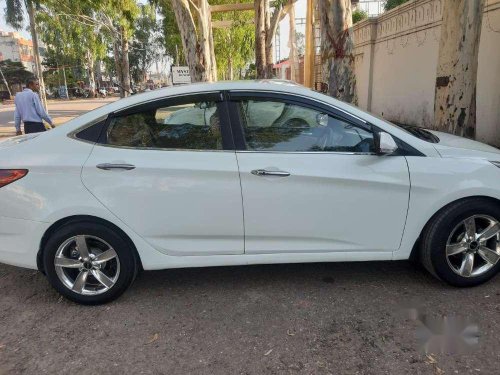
pixel 213 96
pixel 234 96
pixel 101 121
pixel 238 129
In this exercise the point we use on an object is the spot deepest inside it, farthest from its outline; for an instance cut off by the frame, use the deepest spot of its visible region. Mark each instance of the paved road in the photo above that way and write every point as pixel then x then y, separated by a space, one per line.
pixel 60 111
pixel 343 318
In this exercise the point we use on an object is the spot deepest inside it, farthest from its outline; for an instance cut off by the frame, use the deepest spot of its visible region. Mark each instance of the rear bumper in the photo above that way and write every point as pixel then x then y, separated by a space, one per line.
pixel 20 241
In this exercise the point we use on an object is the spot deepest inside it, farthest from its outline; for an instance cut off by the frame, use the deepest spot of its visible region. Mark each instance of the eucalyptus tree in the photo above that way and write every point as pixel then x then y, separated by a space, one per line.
pixel 456 81
pixel 111 19
pixel 235 42
pixel 170 34
pixel 68 39
pixel 146 44
pixel 266 26
pixel 15 17
pixel 194 24
pixel 13 72
pixel 337 48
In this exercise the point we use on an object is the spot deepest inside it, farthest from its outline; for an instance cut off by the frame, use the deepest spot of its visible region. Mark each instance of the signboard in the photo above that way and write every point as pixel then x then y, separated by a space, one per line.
pixel 180 75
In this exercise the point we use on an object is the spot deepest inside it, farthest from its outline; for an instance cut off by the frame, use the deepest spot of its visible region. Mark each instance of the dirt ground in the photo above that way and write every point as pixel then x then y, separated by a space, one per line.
pixel 342 318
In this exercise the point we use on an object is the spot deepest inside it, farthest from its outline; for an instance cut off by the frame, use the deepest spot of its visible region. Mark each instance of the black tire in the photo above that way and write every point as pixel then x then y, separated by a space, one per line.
pixel 440 227
pixel 125 253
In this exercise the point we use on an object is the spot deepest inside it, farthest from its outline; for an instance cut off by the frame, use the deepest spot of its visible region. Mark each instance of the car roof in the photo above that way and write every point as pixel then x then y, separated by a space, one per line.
pixel 267 85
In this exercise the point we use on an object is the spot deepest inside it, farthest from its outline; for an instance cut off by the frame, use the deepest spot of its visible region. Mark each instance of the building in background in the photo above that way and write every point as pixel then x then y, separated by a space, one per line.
pixel 282 70
pixel 372 7
pixel 15 48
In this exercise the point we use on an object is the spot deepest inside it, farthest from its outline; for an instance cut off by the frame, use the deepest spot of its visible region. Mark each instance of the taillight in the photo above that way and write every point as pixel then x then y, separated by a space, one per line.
pixel 8 176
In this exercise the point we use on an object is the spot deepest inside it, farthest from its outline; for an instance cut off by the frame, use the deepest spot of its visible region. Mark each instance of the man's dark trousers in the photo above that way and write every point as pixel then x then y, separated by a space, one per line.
pixel 33 127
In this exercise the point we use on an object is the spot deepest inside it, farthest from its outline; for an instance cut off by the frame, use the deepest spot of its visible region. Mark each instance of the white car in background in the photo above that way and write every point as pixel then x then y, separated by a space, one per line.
pixel 247 173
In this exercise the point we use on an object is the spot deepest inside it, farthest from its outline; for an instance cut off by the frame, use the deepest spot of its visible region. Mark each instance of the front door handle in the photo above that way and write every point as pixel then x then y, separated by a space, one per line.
pixel 110 166
pixel 264 172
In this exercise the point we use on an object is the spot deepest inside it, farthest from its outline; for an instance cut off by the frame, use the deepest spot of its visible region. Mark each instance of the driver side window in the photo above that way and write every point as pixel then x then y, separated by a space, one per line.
pixel 281 126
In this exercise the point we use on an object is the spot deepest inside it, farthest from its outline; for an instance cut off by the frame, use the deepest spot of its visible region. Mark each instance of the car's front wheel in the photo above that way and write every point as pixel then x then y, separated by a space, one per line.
pixel 461 244
pixel 89 263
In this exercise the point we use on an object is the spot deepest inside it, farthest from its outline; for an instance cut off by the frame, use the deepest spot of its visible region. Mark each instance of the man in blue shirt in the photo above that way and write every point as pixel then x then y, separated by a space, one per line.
pixel 29 109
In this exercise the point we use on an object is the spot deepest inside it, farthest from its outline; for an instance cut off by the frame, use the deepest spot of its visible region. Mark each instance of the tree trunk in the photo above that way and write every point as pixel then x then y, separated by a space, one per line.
pixel 98 73
pixel 230 71
pixel 120 50
pixel 455 98
pixel 261 15
pixel 90 72
pixel 206 40
pixel 125 64
pixel 198 49
pixel 118 62
pixel 36 52
pixel 271 29
pixel 337 49
pixel 266 27
pixel 66 93
pixel 292 58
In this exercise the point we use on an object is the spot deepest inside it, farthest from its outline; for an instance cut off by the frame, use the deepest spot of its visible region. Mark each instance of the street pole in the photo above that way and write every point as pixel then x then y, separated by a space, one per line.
pixel 58 78
pixel 36 52
pixel 65 84
pixel 6 84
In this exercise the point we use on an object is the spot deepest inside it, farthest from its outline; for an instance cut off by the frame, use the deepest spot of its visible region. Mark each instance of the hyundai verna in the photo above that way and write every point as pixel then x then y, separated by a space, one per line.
pixel 242 173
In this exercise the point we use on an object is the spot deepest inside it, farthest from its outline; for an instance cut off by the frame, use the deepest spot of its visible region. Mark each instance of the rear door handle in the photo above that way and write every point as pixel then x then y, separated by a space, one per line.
pixel 264 172
pixel 110 166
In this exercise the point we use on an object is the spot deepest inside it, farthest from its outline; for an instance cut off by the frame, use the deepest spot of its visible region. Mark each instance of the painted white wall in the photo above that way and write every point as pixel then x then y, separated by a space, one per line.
pixel 401 49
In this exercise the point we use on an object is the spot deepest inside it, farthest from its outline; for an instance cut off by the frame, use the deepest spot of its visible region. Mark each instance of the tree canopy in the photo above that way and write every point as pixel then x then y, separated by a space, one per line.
pixel 390 4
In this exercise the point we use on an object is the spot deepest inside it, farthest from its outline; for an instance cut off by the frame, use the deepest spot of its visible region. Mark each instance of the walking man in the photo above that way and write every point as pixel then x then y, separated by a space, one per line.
pixel 29 109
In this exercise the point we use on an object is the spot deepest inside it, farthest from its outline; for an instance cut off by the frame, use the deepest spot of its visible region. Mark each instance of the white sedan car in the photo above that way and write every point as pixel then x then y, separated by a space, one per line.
pixel 249 173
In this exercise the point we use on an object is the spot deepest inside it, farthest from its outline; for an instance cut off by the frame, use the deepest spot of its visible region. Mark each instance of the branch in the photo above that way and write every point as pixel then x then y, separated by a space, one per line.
pixel 196 8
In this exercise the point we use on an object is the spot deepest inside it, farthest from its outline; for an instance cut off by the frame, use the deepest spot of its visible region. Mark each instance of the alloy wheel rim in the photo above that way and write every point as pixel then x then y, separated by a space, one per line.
pixel 473 247
pixel 87 265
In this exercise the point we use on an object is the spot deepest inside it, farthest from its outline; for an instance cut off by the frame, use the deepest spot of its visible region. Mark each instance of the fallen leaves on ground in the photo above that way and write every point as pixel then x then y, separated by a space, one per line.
pixel 153 338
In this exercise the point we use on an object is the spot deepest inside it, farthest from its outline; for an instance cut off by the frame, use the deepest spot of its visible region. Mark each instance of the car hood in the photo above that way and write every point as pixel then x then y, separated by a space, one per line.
pixel 452 146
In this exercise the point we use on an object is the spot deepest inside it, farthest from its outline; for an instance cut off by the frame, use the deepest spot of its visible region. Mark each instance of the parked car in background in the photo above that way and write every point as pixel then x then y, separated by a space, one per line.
pixel 4 95
pixel 102 92
pixel 239 173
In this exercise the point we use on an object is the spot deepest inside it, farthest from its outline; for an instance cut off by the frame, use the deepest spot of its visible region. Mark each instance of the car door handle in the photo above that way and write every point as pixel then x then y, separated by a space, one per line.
pixel 263 172
pixel 109 166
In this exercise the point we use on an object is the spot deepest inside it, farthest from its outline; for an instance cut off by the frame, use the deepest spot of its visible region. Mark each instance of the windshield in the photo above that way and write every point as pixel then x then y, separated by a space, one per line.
pixel 420 133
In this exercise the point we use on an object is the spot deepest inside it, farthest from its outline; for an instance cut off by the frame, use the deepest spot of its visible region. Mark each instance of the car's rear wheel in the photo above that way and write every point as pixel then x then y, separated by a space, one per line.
pixel 461 244
pixel 89 263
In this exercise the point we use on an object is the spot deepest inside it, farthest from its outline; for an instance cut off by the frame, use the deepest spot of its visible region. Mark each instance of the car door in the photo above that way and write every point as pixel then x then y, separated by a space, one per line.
pixel 168 170
pixel 311 181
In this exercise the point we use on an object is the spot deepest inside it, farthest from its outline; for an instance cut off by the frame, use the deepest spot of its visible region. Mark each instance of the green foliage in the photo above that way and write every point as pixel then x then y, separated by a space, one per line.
pixel 390 4
pixel 359 15
pixel 14 72
pixel 171 35
pixel 145 47
pixel 14 13
pixel 234 46
pixel 79 33
pixel 69 40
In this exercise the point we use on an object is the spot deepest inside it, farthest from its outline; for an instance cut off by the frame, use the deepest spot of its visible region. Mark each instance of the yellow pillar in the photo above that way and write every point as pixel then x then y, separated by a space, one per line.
pixel 310 48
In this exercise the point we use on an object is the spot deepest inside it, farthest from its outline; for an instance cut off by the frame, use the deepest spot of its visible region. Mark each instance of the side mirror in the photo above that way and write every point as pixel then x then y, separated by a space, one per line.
pixel 385 144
